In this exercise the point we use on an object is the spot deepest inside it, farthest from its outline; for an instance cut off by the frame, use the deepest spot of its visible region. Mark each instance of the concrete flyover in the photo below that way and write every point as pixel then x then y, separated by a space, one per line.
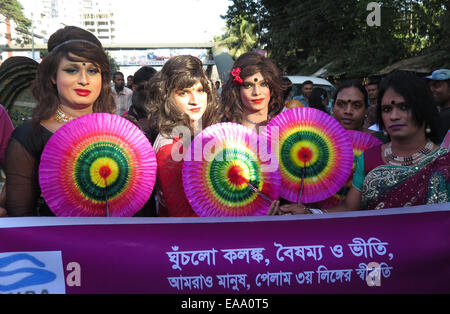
pixel 221 56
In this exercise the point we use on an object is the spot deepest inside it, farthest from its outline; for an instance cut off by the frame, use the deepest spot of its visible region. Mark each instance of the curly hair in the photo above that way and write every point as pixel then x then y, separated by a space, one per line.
pixel 178 73
pixel 77 45
pixel 251 63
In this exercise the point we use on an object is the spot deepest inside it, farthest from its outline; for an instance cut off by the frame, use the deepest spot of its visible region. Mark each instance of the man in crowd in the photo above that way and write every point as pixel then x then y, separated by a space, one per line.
pixel 143 75
pixel 307 88
pixel 140 112
pixel 122 94
pixel 130 79
pixel 439 82
pixel 372 91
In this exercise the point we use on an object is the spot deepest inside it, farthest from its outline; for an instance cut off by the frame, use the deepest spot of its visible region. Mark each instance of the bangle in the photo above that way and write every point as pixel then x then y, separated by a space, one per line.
pixel 314 211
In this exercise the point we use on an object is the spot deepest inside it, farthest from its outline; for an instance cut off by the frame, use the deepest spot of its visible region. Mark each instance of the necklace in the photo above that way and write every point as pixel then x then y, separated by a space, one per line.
pixel 255 123
pixel 63 117
pixel 393 159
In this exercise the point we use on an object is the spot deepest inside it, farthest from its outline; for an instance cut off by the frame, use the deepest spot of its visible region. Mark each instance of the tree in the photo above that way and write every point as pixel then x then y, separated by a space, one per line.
pixel 12 10
pixel 113 65
pixel 240 38
pixel 438 15
pixel 304 36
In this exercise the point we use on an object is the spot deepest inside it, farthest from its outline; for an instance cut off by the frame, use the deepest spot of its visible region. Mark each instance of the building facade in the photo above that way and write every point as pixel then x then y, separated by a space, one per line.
pixel 98 18
pixel 47 16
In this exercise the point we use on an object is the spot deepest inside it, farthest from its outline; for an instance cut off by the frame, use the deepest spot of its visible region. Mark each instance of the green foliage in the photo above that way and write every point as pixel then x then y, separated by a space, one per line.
pixel 12 9
pixel 304 36
pixel 239 38
pixel 113 65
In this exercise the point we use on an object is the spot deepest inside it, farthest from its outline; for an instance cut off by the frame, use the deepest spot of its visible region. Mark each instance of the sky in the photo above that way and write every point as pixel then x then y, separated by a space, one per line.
pixel 164 21
pixel 160 21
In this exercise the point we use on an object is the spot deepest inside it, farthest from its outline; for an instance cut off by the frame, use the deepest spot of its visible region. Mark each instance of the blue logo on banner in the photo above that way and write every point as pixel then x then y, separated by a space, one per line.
pixel 37 276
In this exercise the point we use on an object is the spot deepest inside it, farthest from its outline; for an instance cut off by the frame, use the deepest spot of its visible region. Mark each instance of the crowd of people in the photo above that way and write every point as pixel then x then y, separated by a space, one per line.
pixel 411 115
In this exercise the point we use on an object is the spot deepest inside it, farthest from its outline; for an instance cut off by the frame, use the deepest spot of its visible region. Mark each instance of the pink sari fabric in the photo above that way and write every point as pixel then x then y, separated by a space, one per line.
pixel 6 129
pixel 390 186
pixel 446 141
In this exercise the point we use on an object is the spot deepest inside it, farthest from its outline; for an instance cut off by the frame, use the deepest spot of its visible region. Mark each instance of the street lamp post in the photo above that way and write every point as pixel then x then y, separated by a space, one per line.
pixel 32 37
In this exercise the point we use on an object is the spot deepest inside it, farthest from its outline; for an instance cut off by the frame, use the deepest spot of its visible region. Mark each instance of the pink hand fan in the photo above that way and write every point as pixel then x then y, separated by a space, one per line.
pixel 97 165
pixel 361 141
pixel 223 174
pixel 315 154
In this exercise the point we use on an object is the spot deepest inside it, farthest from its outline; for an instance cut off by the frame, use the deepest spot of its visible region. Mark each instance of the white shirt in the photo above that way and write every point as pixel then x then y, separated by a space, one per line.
pixel 123 100
pixel 374 127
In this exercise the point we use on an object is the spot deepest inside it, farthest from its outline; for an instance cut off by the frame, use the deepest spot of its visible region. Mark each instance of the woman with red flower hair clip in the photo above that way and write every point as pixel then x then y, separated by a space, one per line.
pixel 253 94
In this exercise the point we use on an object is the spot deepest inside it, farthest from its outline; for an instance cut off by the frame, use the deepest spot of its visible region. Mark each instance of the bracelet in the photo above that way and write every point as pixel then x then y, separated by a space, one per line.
pixel 316 211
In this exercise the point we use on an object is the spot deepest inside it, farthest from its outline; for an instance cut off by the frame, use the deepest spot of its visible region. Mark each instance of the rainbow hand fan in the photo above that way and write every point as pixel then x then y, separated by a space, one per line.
pixel 96 165
pixel 224 176
pixel 315 154
pixel 361 141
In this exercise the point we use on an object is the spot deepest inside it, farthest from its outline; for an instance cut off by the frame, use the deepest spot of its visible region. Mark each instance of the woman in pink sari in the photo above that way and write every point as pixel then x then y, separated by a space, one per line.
pixel 6 129
pixel 411 169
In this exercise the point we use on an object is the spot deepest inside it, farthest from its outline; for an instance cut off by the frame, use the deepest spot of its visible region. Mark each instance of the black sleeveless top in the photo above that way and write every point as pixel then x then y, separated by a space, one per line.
pixel 33 139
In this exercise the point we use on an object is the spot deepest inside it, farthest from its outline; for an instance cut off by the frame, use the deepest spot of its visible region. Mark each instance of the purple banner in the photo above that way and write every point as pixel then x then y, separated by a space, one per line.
pixel 389 251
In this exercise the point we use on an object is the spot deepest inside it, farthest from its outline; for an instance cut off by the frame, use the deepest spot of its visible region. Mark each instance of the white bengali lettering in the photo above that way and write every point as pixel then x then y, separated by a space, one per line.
pixel 359 247
pixel 193 257
pixel 233 281
pixel 313 251
pixel 192 283
pixel 230 255
pixel 383 269
pixel 243 254
pixel 279 279
pixel 332 276
pixel 257 254
pixel 337 251
pixel 362 271
pixel 304 277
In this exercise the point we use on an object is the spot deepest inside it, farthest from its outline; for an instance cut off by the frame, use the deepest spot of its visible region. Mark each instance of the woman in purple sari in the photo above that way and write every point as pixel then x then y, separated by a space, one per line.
pixel 411 169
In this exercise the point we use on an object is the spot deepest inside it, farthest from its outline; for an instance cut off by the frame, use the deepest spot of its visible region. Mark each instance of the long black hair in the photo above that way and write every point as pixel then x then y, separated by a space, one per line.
pixel 418 96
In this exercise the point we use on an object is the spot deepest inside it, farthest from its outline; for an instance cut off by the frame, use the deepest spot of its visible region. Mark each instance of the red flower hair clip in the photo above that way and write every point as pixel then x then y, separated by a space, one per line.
pixel 237 79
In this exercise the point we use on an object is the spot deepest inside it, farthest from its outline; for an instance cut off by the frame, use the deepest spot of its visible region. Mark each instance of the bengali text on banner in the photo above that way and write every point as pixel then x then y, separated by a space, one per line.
pixel 387 251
